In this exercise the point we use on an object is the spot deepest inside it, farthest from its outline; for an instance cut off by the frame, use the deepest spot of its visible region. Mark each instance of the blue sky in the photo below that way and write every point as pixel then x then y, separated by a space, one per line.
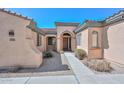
pixel 45 17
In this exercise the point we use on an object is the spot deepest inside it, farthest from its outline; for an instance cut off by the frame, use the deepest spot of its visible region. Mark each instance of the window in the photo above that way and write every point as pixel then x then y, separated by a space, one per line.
pixel 39 40
pixel 78 38
pixel 11 33
pixel 94 39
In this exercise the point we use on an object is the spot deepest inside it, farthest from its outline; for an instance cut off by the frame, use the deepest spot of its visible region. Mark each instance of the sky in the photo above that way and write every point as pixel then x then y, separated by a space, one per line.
pixel 46 17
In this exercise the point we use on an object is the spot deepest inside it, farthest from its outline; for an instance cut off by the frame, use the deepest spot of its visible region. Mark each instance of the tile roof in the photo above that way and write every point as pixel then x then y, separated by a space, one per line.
pixel 48 30
pixel 115 17
pixel 67 23
pixel 14 14
pixel 89 23
pixel 33 27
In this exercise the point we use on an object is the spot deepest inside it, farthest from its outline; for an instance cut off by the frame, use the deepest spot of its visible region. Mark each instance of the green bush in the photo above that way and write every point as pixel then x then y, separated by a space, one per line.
pixel 80 54
pixel 48 54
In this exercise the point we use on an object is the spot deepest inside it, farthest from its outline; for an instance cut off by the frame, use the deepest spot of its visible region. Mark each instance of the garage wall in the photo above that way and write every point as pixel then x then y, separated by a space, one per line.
pixel 114 45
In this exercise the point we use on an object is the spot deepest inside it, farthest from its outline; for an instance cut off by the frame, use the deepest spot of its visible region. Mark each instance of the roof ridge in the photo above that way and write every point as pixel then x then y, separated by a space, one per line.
pixel 114 14
pixel 15 14
pixel 67 23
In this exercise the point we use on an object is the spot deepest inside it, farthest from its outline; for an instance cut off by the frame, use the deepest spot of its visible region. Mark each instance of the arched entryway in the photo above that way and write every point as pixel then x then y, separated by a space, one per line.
pixel 66 42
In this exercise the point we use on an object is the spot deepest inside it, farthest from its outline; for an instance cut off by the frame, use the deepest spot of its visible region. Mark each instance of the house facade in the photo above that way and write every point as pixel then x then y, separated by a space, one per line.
pixel 61 38
pixel 18 41
pixel 23 43
pixel 103 39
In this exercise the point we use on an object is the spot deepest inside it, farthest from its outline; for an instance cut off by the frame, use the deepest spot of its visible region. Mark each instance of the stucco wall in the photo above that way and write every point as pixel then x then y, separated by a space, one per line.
pixel 84 40
pixel 65 29
pixel 45 41
pixel 22 51
pixel 41 48
pixel 95 52
pixel 114 45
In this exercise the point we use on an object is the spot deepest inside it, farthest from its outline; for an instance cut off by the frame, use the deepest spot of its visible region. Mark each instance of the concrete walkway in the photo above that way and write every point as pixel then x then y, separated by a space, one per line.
pixel 81 72
pixel 85 76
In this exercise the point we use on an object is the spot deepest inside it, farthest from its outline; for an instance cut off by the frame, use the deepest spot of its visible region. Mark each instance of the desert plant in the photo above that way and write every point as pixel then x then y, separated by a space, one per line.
pixel 100 65
pixel 48 54
pixel 80 54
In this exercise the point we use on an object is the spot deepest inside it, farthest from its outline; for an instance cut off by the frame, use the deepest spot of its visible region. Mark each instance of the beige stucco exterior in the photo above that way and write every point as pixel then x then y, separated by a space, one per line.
pixel 65 29
pixel 25 48
pixel 114 46
pixel 110 38
pixel 96 52
pixel 49 47
pixel 84 40
pixel 41 48
pixel 22 51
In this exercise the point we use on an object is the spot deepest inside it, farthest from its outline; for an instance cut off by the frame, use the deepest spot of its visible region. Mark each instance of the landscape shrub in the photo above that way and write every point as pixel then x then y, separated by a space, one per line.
pixel 48 54
pixel 100 65
pixel 80 54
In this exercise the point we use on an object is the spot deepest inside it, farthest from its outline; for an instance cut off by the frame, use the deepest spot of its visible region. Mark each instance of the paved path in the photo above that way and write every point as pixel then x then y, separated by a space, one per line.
pixel 77 66
pixel 81 72
pixel 84 75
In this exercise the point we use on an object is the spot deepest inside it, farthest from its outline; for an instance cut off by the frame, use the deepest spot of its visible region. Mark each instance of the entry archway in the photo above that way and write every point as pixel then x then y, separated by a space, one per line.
pixel 66 42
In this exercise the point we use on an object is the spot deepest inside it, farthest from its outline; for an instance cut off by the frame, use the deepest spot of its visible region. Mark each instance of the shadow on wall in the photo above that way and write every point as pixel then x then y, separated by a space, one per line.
pixel 105 38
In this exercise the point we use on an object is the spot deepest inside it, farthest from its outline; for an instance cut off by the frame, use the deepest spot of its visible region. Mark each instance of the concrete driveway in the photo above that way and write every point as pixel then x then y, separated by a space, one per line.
pixel 68 79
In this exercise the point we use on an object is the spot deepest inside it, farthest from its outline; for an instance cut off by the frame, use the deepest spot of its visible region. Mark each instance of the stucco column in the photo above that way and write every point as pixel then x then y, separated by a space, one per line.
pixel 73 43
pixel 45 44
pixel 59 44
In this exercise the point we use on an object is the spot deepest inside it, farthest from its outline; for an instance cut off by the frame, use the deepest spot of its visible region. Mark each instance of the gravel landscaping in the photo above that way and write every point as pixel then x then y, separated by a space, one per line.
pixel 49 65
pixel 117 68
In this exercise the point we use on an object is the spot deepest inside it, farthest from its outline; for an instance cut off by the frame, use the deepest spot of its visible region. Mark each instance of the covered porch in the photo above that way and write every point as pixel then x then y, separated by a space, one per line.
pixel 66 42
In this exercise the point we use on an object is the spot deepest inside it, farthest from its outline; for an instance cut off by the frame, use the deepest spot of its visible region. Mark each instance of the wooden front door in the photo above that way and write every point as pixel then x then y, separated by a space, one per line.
pixel 66 43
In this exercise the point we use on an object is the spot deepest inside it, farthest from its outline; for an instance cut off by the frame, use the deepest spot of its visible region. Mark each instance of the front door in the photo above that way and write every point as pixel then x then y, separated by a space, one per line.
pixel 66 43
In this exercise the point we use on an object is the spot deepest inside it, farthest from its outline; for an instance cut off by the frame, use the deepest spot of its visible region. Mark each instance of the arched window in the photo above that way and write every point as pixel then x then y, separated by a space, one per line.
pixel 94 39
pixel 11 33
